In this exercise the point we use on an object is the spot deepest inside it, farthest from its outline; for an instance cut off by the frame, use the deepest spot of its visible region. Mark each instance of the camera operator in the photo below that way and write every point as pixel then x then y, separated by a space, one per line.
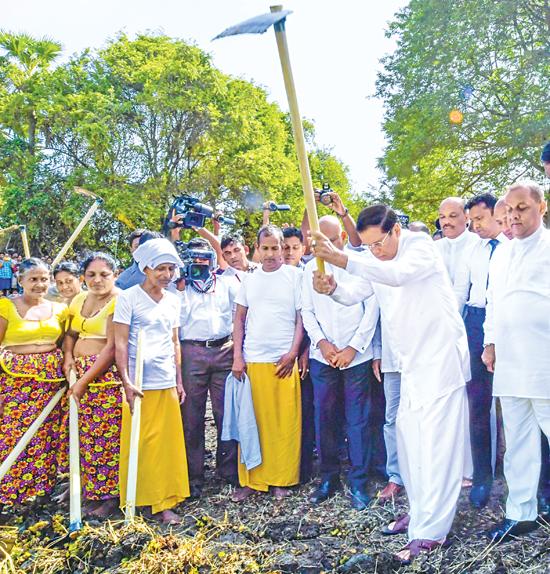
pixel 333 201
pixel 207 356
pixel 211 236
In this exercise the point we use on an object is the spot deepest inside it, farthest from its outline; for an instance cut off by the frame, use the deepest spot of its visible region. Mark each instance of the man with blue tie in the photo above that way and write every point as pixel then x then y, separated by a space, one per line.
pixel 471 281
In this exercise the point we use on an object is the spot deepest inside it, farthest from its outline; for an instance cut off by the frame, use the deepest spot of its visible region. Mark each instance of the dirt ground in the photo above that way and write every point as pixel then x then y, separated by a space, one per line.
pixel 260 535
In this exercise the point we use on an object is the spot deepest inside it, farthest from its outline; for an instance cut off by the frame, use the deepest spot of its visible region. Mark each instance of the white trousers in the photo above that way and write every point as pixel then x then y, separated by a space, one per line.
pixel 523 420
pixel 430 449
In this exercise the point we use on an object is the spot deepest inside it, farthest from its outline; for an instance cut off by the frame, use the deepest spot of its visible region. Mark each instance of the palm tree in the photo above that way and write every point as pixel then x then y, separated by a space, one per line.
pixel 24 59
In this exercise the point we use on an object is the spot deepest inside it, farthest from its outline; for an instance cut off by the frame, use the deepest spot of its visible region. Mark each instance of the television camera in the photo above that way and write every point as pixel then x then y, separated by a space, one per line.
pixel 198 263
pixel 194 213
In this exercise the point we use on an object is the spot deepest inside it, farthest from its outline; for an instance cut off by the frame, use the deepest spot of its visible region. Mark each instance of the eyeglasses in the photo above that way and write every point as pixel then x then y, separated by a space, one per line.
pixel 378 244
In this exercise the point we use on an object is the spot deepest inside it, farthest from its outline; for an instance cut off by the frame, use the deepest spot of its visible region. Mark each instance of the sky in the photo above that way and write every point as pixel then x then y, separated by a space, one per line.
pixel 335 48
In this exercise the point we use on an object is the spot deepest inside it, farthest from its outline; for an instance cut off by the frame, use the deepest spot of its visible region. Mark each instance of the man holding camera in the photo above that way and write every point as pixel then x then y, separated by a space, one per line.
pixel 207 356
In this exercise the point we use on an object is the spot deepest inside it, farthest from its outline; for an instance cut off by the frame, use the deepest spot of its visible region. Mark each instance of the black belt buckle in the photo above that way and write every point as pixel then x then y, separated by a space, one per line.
pixel 216 342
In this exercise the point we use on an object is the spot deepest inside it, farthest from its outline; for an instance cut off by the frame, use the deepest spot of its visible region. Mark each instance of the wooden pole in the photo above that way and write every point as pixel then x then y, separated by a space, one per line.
pixel 29 433
pixel 77 231
pixel 75 510
pixel 297 128
pixel 25 240
pixel 131 486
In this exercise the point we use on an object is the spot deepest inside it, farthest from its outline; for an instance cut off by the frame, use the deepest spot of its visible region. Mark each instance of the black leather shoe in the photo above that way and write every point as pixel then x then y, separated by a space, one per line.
pixel 325 490
pixel 509 528
pixel 479 495
pixel 195 491
pixel 544 507
pixel 359 499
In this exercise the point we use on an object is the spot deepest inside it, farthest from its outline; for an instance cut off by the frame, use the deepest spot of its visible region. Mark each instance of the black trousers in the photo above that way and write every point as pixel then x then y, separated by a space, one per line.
pixel 480 398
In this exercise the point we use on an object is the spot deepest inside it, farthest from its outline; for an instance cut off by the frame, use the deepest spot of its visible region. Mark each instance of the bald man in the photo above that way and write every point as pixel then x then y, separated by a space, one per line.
pixel 501 217
pixel 455 248
pixel 517 340
pixel 457 241
pixel 341 356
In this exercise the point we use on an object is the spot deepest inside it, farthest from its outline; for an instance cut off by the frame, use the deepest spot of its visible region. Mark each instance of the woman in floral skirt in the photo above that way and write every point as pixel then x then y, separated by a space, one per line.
pixel 30 375
pixel 90 351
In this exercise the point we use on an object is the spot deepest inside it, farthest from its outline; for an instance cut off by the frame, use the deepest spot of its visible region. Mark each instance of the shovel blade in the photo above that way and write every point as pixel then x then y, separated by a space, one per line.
pixel 256 25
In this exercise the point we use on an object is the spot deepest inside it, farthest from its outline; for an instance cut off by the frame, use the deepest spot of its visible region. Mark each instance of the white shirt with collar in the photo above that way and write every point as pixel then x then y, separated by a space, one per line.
pixel 339 324
pixel 455 251
pixel 426 328
pixel 518 317
pixel 383 346
pixel 208 316
pixel 471 277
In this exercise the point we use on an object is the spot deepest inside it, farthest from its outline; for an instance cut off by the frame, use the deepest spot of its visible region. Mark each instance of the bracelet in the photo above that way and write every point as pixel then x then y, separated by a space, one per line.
pixel 342 215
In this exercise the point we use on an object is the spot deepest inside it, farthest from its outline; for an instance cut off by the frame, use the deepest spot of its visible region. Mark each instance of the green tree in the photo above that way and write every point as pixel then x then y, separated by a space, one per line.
pixel 488 60
pixel 139 122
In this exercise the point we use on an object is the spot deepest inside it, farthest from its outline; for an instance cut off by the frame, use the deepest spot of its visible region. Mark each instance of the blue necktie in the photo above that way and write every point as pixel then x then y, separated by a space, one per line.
pixel 493 243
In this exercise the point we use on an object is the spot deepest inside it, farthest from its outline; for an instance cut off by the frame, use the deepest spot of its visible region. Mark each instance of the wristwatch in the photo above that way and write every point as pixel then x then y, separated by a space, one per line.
pixel 342 215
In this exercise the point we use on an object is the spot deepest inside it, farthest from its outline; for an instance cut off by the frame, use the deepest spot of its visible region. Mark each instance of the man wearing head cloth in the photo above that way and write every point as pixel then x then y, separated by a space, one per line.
pixel 162 480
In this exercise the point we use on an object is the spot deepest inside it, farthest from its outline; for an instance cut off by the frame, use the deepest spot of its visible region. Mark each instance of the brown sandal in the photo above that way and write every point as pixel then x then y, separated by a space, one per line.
pixel 415 547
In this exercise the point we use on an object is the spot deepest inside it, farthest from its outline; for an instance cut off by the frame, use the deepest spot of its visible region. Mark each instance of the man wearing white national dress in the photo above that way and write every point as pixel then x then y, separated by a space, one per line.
pixel 431 341
pixel 517 345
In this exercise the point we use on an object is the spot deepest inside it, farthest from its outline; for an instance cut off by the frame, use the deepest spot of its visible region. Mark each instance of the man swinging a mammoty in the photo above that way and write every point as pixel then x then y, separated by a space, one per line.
pixel 431 341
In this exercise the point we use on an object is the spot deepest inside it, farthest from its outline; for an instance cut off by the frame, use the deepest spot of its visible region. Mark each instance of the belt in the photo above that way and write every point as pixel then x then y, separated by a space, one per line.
pixel 208 344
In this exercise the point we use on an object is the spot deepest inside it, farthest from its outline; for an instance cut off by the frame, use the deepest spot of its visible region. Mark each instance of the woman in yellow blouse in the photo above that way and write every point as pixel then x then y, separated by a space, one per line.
pixel 30 375
pixel 90 350
pixel 67 280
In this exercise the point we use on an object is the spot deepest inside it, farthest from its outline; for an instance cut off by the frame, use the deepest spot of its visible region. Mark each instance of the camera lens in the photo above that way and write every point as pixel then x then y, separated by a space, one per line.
pixel 325 198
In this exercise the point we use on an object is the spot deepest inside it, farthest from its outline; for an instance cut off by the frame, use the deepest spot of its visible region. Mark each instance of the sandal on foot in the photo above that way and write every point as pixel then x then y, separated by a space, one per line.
pixel 399 526
pixel 409 552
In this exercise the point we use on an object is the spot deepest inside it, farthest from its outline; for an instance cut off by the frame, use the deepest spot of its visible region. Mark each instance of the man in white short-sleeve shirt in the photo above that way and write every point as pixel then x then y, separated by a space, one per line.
pixel 267 336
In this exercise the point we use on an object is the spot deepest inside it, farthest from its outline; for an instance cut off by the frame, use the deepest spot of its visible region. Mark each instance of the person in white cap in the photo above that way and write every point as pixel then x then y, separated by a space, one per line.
pixel 162 480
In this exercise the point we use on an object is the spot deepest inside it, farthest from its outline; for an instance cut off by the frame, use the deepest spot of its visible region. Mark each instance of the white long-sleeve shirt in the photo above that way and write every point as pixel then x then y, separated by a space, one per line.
pixel 470 285
pixel 383 345
pixel 455 251
pixel 426 327
pixel 339 324
pixel 518 317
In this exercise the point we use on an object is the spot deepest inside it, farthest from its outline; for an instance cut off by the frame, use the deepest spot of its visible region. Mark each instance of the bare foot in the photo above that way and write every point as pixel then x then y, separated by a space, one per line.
pixel 167 517
pixel 279 492
pixel 241 494
pixel 105 509
pixel 62 496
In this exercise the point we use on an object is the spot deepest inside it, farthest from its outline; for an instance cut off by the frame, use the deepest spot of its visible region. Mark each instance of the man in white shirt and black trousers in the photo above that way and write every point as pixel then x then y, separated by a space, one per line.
pixel 517 344
pixel 341 356
pixel 207 356
pixel 471 280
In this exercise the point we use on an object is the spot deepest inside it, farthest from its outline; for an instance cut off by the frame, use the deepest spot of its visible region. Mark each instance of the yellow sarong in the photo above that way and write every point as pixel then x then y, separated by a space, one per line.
pixel 162 480
pixel 278 410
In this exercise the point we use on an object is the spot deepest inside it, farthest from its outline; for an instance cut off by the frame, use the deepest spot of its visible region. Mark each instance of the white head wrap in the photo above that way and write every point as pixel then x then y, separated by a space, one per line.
pixel 155 252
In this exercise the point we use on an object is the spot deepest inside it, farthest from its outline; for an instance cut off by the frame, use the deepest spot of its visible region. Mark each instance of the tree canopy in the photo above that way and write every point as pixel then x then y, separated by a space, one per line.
pixel 138 122
pixel 488 60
